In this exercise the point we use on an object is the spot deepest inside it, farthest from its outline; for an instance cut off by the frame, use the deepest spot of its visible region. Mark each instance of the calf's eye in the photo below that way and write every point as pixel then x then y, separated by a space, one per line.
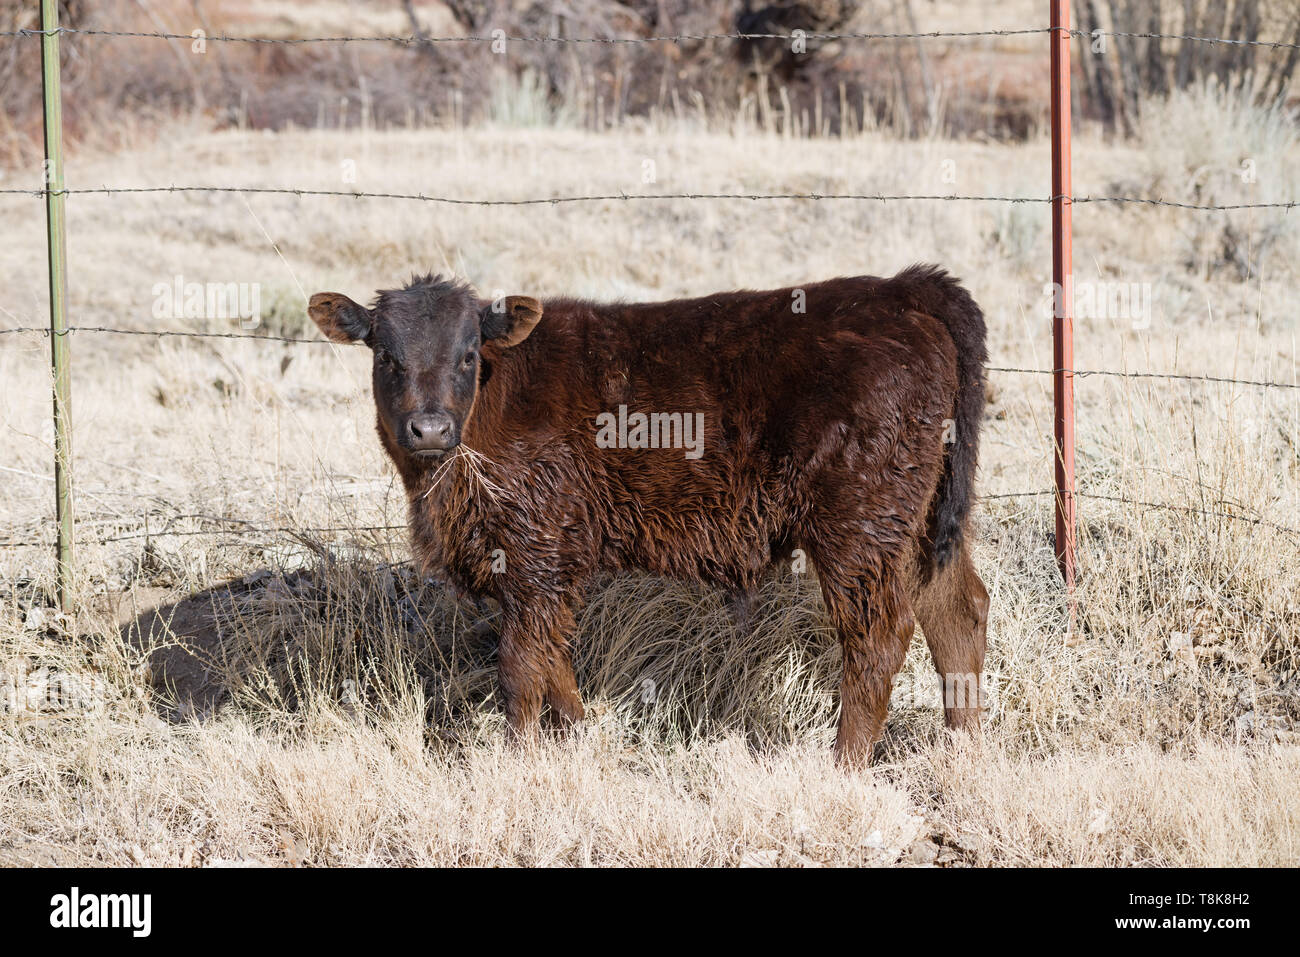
pixel 468 361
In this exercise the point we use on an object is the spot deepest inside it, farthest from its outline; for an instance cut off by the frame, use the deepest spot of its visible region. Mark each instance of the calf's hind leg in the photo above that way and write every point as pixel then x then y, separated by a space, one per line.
pixel 875 624
pixel 952 608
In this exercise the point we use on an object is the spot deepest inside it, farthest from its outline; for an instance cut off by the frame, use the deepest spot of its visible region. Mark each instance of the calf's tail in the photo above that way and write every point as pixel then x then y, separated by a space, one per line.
pixel 933 291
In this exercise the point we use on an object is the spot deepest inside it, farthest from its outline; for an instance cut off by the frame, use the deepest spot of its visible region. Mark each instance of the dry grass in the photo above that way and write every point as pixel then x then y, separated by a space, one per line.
pixel 357 722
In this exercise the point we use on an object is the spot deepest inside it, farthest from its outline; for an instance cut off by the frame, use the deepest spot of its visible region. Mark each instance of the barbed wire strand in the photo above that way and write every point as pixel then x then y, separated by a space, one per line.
pixel 1191 510
pixel 417 40
pixel 1161 506
pixel 170 333
pixel 248 528
pixel 1186 376
pixel 1080 373
pixel 641 197
pixel 245 528
pixel 1275 44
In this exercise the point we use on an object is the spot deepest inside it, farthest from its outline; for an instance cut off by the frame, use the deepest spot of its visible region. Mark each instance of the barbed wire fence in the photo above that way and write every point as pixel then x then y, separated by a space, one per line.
pixel 213 525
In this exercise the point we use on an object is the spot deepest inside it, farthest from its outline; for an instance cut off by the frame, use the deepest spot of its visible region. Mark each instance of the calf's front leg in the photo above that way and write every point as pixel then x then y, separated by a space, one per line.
pixel 534 667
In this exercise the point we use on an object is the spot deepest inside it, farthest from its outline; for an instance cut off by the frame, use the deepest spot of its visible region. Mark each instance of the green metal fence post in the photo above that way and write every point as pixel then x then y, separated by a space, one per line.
pixel 58 255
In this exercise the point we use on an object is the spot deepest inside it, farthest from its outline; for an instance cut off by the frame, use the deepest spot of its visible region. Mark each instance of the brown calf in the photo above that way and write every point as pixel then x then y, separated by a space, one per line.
pixel 701 439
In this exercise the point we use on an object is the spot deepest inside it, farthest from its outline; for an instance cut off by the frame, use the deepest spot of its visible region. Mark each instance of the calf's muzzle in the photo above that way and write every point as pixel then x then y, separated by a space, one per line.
pixel 430 432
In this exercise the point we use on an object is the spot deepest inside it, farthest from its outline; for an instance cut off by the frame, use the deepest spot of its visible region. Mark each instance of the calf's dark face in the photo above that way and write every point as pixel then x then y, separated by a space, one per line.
pixel 428 342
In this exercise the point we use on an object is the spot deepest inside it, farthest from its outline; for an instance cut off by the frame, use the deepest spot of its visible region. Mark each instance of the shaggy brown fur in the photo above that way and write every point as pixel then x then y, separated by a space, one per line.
pixel 848 430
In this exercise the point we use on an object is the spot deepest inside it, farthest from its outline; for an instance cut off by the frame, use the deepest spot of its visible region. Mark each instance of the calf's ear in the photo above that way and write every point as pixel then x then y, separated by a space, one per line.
pixel 508 322
pixel 341 319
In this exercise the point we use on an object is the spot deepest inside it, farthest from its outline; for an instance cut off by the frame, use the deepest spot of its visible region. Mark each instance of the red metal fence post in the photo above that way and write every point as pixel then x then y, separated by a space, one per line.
pixel 1063 280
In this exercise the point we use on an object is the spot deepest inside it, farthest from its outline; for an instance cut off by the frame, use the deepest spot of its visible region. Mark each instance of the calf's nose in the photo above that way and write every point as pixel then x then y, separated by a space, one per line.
pixel 430 432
